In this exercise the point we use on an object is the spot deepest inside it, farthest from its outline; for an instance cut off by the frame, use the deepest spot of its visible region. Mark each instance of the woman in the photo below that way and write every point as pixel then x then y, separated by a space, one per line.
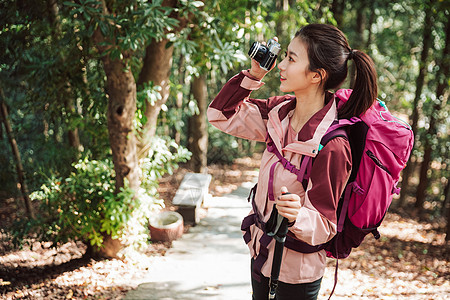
pixel 315 63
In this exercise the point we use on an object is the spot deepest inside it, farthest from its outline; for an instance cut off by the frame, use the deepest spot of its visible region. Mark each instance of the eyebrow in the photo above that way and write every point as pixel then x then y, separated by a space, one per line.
pixel 291 53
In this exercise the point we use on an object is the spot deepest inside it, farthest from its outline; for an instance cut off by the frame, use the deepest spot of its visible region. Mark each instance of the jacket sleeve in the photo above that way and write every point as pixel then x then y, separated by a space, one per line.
pixel 317 222
pixel 235 113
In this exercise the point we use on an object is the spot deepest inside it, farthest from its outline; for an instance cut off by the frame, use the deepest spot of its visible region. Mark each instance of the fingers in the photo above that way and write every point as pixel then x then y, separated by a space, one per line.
pixel 256 71
pixel 274 38
pixel 288 205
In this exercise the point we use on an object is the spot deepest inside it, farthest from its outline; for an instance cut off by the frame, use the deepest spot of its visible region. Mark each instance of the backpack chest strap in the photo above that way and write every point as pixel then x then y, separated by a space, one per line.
pixel 301 173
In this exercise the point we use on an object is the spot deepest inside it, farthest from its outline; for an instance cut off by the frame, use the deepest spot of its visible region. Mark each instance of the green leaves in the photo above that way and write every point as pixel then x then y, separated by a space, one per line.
pixel 226 54
pixel 85 205
pixel 149 93
pixel 125 27
pixel 163 157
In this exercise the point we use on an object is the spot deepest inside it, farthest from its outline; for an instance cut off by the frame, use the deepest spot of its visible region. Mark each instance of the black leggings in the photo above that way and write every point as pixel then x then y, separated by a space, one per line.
pixel 286 291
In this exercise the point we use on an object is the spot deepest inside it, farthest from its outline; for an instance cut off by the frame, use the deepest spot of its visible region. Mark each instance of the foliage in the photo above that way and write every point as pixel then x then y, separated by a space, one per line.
pixel 53 78
pixel 149 92
pixel 52 84
pixel 224 148
pixel 163 158
pixel 175 113
pixel 127 25
pixel 82 206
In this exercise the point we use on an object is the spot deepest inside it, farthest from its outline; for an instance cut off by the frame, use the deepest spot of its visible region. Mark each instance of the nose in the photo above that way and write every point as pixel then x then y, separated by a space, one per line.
pixel 281 65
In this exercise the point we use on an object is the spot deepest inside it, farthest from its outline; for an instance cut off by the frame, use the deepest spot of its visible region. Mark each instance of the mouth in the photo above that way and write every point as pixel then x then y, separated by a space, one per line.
pixel 282 78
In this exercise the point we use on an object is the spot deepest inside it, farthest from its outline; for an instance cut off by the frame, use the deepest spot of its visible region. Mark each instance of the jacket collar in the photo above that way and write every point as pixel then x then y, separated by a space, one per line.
pixel 310 135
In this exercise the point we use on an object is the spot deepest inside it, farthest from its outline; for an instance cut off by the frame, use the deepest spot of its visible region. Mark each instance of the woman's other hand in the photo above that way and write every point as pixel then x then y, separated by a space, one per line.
pixel 256 71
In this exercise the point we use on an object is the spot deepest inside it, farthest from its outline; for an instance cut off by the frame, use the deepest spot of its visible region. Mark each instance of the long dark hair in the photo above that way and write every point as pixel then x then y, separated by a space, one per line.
pixel 328 49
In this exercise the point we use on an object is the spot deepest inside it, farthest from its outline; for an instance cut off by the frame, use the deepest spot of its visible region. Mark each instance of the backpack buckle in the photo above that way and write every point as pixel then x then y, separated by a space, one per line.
pixel 376 234
pixel 357 189
pixel 396 190
pixel 288 166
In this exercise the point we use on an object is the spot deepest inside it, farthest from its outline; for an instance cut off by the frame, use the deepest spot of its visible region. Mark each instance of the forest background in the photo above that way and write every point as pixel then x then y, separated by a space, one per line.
pixel 100 99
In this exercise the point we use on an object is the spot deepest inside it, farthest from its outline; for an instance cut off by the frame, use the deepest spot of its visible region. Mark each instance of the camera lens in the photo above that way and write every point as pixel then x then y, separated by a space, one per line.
pixel 257 51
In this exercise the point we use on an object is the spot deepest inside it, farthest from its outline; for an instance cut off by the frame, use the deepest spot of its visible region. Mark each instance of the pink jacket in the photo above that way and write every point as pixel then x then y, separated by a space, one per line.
pixel 233 112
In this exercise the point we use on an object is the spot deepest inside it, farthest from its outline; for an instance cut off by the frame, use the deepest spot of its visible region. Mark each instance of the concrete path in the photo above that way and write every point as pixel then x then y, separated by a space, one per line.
pixel 211 261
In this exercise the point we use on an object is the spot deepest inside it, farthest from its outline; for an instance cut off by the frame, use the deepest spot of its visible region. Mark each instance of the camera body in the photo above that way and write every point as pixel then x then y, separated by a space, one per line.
pixel 265 55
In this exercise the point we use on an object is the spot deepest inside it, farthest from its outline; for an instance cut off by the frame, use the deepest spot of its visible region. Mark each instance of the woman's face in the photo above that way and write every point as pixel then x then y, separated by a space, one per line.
pixel 294 73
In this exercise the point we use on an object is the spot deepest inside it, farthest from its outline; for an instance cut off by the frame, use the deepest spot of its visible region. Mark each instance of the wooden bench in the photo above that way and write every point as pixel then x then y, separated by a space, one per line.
pixel 190 196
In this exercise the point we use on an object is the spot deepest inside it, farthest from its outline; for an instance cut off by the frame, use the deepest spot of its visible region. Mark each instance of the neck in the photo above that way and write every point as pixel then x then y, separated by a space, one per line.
pixel 307 105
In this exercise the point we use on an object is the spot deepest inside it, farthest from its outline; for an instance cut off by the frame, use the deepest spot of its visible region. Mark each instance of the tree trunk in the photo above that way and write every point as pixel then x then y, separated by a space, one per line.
pixel 408 171
pixel 198 133
pixel 121 92
pixel 72 134
pixel 447 197
pixel 423 176
pixel 179 101
pixel 359 41
pixel 442 78
pixel 74 139
pixel 280 26
pixel 156 68
pixel 369 26
pixel 15 150
pixel 337 7
pixel 121 89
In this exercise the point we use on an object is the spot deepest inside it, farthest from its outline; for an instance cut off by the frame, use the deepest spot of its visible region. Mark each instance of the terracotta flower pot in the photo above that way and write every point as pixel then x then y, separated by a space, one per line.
pixel 166 226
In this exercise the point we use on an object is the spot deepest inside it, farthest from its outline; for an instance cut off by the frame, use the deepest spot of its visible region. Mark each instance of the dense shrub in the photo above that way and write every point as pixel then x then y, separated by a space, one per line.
pixel 85 206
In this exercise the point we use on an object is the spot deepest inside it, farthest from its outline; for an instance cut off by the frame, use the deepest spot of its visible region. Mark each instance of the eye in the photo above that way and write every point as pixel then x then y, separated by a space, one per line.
pixel 285 55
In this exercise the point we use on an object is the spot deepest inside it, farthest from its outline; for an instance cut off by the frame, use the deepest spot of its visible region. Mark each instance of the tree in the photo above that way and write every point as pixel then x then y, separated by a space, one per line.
pixel 72 133
pixel 15 150
pixel 120 28
pixel 438 103
pixel 426 45
pixel 157 64
pixel 198 137
pixel 216 52
pixel 447 197
pixel 337 7
pixel 121 89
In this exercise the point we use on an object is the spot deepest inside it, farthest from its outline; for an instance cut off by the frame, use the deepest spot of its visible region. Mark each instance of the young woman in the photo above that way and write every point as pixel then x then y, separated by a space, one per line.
pixel 315 63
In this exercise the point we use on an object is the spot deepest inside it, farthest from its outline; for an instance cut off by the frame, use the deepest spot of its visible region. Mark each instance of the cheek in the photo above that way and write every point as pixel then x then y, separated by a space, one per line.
pixel 282 65
pixel 285 87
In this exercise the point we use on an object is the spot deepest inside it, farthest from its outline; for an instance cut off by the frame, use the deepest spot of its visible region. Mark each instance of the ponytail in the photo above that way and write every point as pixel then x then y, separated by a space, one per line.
pixel 328 50
pixel 365 88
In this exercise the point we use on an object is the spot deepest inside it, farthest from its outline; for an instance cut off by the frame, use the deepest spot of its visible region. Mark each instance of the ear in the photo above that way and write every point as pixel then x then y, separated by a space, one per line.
pixel 319 76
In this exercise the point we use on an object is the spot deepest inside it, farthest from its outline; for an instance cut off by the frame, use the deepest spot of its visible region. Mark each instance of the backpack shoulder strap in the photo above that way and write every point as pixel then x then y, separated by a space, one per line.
pixel 339 132
pixel 307 161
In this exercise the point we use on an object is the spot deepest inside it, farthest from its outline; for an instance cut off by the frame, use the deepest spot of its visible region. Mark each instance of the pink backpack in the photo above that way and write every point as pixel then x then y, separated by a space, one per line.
pixel 380 145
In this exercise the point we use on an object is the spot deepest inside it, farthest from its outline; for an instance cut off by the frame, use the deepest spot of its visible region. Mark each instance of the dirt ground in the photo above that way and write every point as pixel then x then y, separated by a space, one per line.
pixel 411 258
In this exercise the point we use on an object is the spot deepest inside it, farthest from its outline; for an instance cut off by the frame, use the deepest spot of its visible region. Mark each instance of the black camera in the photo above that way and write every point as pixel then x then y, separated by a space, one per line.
pixel 265 55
